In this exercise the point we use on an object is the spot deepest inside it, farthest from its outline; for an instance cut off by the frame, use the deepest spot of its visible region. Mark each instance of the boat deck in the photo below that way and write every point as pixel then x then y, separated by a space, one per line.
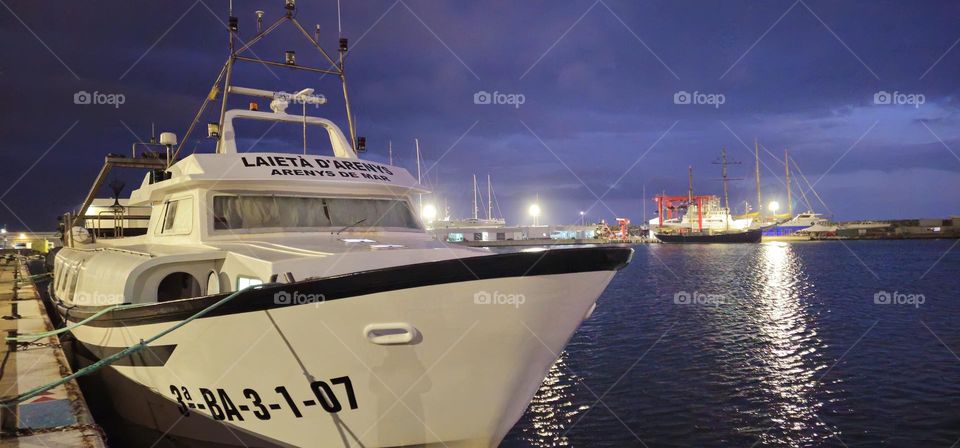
pixel 58 417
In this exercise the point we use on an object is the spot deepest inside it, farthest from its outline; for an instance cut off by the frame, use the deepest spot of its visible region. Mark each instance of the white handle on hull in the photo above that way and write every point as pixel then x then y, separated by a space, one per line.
pixel 394 333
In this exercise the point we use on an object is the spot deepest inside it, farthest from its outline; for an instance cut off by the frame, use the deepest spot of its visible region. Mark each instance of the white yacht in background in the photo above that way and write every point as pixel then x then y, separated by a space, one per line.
pixel 794 228
pixel 353 326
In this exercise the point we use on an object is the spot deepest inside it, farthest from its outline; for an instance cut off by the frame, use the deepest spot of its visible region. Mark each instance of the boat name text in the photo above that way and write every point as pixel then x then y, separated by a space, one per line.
pixel 295 167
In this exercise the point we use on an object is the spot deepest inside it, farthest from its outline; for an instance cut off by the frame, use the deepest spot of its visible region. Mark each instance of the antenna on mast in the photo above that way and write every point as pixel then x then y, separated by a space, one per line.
pixel 339 27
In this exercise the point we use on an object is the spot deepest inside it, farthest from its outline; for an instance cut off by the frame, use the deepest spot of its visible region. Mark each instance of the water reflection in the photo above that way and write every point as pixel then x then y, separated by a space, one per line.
pixel 554 408
pixel 786 358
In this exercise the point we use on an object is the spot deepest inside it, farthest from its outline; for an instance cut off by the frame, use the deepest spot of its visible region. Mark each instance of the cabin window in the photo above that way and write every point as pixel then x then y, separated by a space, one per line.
pixel 178 285
pixel 213 284
pixel 246 282
pixel 177 217
pixel 292 212
pixel 72 282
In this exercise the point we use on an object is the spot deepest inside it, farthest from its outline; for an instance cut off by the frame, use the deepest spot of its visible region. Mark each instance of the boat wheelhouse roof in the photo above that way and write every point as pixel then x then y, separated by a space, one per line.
pixel 279 172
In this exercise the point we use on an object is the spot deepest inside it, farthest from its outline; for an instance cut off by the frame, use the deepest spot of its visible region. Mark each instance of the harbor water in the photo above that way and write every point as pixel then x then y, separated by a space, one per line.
pixel 847 344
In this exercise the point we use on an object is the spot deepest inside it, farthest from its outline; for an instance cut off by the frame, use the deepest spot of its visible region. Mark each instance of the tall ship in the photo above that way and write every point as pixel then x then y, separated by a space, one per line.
pixel 701 218
pixel 296 299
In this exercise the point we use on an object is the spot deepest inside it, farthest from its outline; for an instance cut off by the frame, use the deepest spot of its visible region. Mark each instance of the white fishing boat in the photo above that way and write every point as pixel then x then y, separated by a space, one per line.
pixel 311 307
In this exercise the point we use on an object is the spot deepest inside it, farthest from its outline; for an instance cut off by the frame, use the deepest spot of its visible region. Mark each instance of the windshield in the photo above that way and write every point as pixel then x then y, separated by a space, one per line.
pixel 295 212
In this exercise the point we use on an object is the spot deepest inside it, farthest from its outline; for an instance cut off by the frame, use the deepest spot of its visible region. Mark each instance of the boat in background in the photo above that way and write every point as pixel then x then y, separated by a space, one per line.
pixel 706 237
pixel 701 219
pixel 790 230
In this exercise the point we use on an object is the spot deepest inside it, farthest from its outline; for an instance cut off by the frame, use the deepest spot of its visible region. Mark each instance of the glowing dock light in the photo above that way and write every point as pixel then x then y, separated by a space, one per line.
pixel 773 206
pixel 534 211
pixel 428 213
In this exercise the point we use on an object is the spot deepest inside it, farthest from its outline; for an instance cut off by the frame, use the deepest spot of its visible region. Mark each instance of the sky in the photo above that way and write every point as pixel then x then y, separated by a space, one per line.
pixel 596 101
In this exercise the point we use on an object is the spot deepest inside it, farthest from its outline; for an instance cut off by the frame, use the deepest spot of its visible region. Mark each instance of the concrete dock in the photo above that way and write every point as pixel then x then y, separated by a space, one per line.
pixel 59 417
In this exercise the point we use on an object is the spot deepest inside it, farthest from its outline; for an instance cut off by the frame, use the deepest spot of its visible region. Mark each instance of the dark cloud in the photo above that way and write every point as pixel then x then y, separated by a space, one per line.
pixel 599 87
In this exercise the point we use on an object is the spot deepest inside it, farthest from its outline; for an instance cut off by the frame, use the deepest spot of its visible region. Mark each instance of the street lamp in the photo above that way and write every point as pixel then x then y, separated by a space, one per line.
pixel 582 222
pixel 429 213
pixel 773 206
pixel 534 211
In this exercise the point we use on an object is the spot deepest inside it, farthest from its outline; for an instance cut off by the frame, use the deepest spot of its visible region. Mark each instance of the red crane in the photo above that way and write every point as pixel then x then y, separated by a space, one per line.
pixel 675 203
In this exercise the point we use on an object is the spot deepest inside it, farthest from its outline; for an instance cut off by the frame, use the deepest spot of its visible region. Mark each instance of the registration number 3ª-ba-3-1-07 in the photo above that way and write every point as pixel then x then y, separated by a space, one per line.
pixel 328 395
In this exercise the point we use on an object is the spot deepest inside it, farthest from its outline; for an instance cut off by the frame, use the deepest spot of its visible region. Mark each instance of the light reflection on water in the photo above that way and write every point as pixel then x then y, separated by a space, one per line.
pixel 553 410
pixel 786 359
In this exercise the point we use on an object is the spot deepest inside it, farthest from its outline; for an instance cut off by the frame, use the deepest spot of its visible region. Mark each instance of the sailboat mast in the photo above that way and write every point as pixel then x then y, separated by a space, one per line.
pixel 390 152
pixel 690 181
pixel 756 155
pixel 786 165
pixel 723 165
pixel 489 199
pixel 645 204
pixel 416 143
pixel 475 209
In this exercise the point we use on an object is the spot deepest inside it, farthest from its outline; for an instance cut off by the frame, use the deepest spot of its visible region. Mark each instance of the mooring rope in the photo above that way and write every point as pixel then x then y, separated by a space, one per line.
pixel 37 336
pixel 121 354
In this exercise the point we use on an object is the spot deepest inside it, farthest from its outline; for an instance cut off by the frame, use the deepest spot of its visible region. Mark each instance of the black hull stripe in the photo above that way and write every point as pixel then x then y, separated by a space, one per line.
pixel 152 356
pixel 484 267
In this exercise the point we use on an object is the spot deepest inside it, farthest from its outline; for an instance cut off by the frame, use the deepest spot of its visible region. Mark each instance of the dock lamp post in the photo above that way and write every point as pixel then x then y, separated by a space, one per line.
pixel 582 219
pixel 535 212
pixel 773 206
pixel 429 213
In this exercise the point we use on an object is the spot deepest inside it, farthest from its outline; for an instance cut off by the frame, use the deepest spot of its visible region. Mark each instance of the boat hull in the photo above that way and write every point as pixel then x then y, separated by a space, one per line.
pixel 747 236
pixel 420 362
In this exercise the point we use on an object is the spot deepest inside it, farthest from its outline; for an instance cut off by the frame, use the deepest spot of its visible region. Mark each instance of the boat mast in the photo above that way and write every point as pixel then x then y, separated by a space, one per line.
pixel 645 205
pixel 489 199
pixel 786 164
pixel 416 143
pixel 390 152
pixel 231 29
pixel 475 209
pixel 223 84
pixel 756 155
pixel 690 182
